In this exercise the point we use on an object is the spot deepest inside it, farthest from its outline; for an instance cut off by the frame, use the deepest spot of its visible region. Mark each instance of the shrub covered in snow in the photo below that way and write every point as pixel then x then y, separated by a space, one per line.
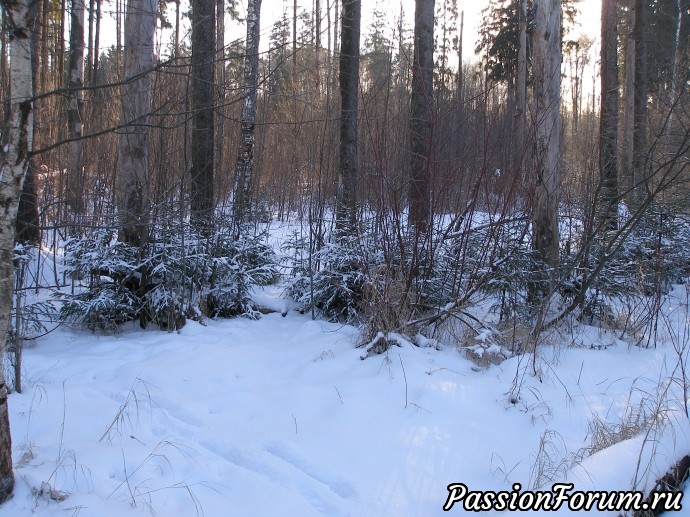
pixel 335 286
pixel 176 275
pixel 652 258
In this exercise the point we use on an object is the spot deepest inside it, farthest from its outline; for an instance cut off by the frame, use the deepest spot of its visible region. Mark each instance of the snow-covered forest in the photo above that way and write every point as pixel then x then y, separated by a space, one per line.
pixel 340 265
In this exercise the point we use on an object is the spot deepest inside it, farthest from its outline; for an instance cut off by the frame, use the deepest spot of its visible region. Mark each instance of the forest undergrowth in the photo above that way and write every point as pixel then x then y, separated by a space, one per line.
pixel 473 285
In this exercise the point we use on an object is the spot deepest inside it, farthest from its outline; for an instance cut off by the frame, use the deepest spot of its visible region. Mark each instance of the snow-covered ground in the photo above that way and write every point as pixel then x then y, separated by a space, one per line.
pixel 281 417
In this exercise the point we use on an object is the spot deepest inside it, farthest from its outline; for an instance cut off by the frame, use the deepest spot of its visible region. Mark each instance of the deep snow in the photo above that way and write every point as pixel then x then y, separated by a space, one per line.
pixel 281 417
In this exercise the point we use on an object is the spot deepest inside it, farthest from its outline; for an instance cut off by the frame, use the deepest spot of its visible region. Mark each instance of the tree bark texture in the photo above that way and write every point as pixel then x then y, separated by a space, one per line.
pixel 346 197
pixel 133 152
pixel 461 75
pixel 15 162
pixel 202 85
pixel 520 119
pixel 27 213
pixel 546 66
pixel 96 43
pixel 245 153
pixel 75 99
pixel 639 150
pixel 219 122
pixel 608 118
pixel 628 119
pixel 421 114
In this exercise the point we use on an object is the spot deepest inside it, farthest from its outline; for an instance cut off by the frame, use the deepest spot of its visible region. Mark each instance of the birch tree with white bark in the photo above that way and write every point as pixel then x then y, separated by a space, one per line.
pixel 245 153
pixel 15 161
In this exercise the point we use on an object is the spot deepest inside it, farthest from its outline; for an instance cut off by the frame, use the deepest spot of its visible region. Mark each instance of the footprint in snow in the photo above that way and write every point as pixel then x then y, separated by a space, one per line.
pixel 332 481
pixel 263 463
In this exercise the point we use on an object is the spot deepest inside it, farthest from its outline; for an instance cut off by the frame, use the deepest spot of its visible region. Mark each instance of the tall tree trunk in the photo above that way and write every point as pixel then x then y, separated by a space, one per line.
pixel 59 35
pixel 75 83
pixel 639 151
pixel 546 67
pixel 294 36
pixel 133 152
pixel 520 119
pixel 96 43
pixel 89 47
pixel 219 122
pixel 27 213
pixel 461 76
pixel 346 200
pixel 46 67
pixel 628 119
pixel 177 28
pixel 245 153
pixel 118 36
pixel 336 40
pixel 608 119
pixel 317 52
pixel 674 67
pixel 421 113
pixel 5 77
pixel 202 85
pixel 15 162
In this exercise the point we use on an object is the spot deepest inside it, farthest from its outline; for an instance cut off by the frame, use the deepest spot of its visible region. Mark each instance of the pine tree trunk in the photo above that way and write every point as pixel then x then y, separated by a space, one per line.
pixel 202 86
pixel 133 152
pixel 546 67
pixel 608 118
pixel 20 143
pixel 245 153
pixel 421 114
pixel 346 197
pixel 75 83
